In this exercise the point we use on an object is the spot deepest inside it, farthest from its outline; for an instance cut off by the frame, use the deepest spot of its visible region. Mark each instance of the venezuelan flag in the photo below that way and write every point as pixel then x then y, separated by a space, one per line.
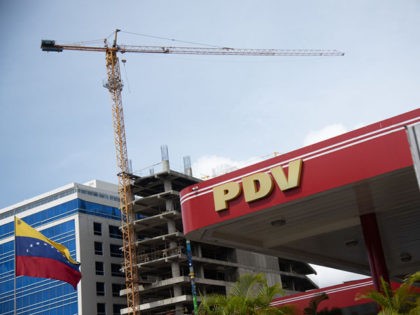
pixel 38 256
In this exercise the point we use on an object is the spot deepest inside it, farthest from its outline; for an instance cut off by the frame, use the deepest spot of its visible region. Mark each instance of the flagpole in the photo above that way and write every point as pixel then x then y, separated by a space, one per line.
pixel 14 266
pixel 14 297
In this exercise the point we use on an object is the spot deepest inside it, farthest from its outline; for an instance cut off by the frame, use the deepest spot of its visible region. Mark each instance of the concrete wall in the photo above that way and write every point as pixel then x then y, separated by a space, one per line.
pixel 259 263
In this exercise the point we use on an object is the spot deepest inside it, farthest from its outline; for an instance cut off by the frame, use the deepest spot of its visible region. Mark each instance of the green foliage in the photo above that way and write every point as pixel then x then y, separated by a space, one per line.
pixel 250 295
pixel 404 300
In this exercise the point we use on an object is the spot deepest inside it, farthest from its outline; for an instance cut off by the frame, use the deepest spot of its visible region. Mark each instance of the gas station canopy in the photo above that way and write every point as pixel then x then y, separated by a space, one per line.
pixel 347 202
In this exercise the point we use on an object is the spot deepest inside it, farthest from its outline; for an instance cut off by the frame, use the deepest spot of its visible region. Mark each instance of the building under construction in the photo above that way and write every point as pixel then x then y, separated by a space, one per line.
pixel 165 284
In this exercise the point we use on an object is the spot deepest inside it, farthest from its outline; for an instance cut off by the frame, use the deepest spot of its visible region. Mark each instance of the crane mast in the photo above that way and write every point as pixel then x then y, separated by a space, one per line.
pixel 114 85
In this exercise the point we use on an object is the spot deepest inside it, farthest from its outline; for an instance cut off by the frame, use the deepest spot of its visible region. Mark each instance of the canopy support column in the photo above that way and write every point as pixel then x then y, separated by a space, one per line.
pixel 374 249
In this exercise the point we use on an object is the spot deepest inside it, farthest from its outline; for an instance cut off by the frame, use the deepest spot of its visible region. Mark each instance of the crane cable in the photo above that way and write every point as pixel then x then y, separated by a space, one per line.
pixel 171 39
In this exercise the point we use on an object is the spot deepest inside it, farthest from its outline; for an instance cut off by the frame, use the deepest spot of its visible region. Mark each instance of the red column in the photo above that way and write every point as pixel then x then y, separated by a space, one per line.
pixel 374 248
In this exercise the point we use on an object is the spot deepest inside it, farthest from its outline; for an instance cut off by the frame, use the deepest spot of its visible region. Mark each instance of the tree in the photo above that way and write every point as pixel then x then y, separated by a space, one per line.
pixel 250 295
pixel 404 300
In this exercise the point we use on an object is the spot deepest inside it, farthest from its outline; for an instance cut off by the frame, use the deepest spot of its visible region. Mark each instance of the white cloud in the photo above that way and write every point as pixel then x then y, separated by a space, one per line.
pixel 208 166
pixel 328 276
pixel 214 165
pixel 324 133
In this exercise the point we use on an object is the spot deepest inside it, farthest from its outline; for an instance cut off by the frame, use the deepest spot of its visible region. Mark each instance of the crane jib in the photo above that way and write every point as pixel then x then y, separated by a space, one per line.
pixel 50 45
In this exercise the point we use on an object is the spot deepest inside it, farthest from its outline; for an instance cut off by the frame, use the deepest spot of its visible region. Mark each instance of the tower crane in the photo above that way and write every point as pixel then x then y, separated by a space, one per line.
pixel 114 85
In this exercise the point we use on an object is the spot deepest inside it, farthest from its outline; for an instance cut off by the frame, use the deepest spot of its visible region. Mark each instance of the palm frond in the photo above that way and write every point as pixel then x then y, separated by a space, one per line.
pixel 403 300
pixel 313 304
pixel 250 295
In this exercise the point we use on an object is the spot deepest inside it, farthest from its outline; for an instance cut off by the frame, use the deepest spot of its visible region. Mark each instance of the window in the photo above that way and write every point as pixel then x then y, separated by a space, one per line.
pixel 98 248
pixel 115 232
pixel 116 308
pixel 100 288
pixel 115 271
pixel 97 228
pixel 99 268
pixel 115 250
pixel 116 288
pixel 100 309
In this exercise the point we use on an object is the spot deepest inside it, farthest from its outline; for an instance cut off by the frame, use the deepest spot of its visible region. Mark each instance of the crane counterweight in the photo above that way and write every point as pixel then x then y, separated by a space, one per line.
pixel 49 45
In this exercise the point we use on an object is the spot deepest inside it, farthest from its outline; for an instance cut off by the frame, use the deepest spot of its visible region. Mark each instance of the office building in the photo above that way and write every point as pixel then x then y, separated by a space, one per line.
pixel 85 218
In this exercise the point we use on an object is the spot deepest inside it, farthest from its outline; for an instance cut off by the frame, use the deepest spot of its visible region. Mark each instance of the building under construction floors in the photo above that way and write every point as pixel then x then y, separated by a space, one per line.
pixel 165 285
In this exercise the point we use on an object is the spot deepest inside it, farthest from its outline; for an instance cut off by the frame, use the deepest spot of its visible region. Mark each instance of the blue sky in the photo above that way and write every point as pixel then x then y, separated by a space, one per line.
pixel 55 116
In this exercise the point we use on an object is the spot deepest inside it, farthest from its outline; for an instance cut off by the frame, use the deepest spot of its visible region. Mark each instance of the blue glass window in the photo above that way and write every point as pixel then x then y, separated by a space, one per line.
pixel 38 295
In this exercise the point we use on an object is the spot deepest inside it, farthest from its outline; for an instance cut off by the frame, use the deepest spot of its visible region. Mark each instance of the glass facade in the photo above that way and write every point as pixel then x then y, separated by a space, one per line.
pixel 36 295
pixel 46 296
pixel 63 210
